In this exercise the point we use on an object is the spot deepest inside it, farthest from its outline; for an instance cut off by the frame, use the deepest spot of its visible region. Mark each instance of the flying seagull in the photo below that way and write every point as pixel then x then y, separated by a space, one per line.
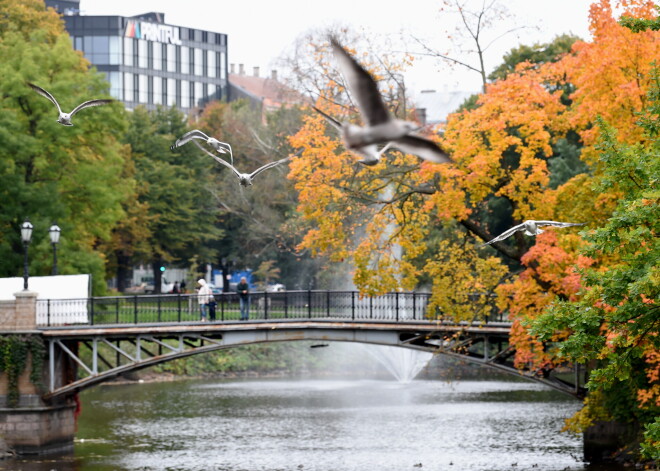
pixel 221 147
pixel 245 179
pixel 380 126
pixel 369 153
pixel 531 228
pixel 65 118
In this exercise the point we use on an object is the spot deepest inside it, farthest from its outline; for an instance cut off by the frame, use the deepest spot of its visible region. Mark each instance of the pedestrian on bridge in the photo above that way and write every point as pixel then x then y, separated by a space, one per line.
pixel 244 298
pixel 204 297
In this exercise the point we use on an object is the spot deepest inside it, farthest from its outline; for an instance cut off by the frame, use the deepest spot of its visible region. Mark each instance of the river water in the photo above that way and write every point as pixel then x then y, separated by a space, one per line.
pixel 320 425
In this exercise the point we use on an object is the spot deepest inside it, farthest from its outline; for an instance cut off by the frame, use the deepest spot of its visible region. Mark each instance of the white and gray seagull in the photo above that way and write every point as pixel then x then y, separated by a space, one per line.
pixel 245 179
pixel 531 228
pixel 369 153
pixel 65 118
pixel 221 147
pixel 380 127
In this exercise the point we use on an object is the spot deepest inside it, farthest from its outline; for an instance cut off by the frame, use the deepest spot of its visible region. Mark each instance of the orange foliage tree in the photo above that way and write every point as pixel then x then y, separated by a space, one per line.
pixel 403 223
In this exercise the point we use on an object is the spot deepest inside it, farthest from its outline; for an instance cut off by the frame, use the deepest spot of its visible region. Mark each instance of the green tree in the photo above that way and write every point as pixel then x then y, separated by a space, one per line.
pixel 535 54
pixel 48 172
pixel 256 218
pixel 176 190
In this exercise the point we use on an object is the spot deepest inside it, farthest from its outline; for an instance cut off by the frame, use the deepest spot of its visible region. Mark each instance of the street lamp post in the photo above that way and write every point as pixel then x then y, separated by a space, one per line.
pixel 26 235
pixel 54 232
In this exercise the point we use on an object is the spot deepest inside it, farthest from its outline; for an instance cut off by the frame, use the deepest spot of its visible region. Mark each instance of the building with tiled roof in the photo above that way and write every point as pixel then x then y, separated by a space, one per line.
pixel 265 93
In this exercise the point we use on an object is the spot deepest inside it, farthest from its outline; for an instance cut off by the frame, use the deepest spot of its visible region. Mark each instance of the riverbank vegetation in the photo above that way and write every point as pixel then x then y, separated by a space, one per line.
pixel 569 134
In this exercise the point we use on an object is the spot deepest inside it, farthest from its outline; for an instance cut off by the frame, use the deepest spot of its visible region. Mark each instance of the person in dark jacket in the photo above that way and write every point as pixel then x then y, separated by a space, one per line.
pixel 243 290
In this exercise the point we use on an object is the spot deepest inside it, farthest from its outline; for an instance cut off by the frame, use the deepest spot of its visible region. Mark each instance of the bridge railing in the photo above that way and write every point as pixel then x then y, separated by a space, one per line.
pixel 177 308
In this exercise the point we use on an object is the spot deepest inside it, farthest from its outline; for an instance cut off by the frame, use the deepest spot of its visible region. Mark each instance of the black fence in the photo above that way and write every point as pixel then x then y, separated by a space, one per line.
pixel 292 305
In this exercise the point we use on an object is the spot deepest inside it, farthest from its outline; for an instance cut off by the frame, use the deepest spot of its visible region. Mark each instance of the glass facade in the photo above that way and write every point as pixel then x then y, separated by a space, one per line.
pixel 150 64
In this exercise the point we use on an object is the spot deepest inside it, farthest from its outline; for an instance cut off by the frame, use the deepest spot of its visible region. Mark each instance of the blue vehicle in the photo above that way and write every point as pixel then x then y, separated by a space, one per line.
pixel 234 279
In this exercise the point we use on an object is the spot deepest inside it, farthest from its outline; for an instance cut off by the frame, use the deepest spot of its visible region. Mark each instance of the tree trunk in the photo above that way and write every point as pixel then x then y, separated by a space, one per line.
pixel 123 270
pixel 158 275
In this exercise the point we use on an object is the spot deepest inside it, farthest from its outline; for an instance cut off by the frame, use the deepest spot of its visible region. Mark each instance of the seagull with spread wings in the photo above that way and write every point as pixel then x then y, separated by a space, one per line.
pixel 245 179
pixel 221 147
pixel 369 153
pixel 380 127
pixel 65 118
pixel 531 228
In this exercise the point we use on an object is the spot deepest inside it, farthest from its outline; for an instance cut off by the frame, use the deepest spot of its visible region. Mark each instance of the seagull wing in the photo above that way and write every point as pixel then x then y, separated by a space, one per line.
pixel 559 224
pixel 505 234
pixel 194 134
pixel 422 147
pixel 44 93
pixel 362 86
pixel 336 124
pixel 89 103
pixel 267 166
pixel 218 159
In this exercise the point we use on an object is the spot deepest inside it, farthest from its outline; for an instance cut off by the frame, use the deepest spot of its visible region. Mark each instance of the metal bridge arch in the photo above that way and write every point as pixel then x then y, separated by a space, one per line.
pixel 100 354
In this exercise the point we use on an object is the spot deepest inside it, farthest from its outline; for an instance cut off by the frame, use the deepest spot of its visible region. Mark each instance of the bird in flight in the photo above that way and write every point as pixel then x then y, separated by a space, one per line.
pixel 65 118
pixel 245 179
pixel 380 126
pixel 369 153
pixel 219 146
pixel 531 228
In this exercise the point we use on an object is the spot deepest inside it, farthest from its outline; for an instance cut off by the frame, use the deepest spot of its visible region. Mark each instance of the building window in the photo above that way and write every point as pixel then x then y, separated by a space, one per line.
pixel 114 78
pixel 128 51
pixel 199 64
pixel 185 60
pixel 171 58
pixel 223 69
pixel 158 91
pixel 158 56
pixel 210 91
pixel 185 94
pixel 114 48
pixel 143 89
pixel 78 43
pixel 210 64
pixel 205 36
pixel 199 93
pixel 171 92
pixel 128 86
pixel 191 34
pixel 143 58
pixel 150 91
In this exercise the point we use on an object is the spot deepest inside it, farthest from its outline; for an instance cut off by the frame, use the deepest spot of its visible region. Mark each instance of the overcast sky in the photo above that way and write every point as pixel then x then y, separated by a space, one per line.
pixel 260 31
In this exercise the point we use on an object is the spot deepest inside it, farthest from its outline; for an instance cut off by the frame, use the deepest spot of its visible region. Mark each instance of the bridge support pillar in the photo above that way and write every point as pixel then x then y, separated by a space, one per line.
pixel 28 425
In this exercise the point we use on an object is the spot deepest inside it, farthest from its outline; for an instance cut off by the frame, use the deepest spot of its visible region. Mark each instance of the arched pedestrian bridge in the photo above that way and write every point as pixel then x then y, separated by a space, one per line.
pixel 92 340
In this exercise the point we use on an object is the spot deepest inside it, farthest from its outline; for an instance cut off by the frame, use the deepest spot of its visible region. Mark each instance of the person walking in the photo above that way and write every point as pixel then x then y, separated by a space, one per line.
pixel 204 297
pixel 244 298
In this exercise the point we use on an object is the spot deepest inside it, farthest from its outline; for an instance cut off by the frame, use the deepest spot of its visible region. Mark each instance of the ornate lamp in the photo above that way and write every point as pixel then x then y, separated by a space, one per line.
pixel 26 236
pixel 54 232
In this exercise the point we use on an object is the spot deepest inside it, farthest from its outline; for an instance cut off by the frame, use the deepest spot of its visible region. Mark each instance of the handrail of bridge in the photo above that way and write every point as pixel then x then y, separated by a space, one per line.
pixel 285 305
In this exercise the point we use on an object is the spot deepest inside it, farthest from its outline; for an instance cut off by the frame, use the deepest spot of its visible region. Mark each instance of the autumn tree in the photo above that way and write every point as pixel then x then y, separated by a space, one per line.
pixel 404 222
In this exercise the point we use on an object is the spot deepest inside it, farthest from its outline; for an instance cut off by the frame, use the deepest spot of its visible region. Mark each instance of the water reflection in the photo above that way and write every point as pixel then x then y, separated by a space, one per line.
pixel 321 425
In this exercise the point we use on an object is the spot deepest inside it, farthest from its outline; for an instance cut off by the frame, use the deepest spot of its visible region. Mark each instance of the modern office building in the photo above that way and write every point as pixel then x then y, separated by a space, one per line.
pixel 148 62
